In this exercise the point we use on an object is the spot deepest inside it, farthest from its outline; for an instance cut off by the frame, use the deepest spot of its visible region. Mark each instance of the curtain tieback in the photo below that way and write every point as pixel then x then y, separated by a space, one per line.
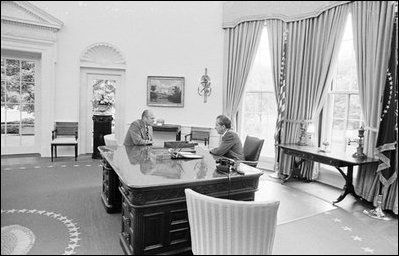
pixel 371 129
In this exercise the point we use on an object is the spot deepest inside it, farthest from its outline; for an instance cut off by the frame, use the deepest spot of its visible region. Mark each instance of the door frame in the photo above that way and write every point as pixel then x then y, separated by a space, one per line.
pixel 85 138
pixel 35 148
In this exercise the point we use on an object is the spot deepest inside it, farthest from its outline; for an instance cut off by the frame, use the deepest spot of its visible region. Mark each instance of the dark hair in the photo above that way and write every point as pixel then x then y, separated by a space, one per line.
pixel 224 120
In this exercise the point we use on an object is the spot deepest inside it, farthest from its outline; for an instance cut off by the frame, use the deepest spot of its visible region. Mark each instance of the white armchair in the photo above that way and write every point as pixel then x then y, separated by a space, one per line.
pixel 110 140
pixel 223 226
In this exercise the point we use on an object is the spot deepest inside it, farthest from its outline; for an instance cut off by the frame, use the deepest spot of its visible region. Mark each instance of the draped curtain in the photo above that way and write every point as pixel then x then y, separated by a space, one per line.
pixel 241 45
pixel 372 26
pixel 278 46
pixel 312 52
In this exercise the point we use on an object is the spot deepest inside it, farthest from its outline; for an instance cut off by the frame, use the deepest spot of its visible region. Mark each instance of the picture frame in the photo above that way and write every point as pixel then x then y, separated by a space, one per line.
pixel 165 91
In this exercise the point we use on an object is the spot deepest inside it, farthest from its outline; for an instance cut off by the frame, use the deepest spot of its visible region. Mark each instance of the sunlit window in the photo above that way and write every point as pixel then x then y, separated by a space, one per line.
pixel 259 110
pixel 17 102
pixel 342 111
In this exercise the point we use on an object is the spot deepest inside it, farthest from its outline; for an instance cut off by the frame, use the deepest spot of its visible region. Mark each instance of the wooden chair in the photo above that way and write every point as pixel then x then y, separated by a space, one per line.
pixel 64 134
pixel 199 133
pixel 228 227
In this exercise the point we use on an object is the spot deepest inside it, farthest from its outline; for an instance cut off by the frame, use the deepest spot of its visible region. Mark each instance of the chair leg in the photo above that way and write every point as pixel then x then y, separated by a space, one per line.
pixel 52 150
pixel 55 151
pixel 76 152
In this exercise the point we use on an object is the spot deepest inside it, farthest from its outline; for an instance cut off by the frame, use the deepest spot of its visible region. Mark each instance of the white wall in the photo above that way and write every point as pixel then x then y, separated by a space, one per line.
pixel 156 39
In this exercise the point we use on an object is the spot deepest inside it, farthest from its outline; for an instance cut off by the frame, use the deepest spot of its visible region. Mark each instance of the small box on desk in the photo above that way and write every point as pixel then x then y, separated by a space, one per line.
pixel 179 144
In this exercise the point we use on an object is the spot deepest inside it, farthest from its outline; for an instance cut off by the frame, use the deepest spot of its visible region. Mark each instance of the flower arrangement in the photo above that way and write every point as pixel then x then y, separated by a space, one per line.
pixel 103 100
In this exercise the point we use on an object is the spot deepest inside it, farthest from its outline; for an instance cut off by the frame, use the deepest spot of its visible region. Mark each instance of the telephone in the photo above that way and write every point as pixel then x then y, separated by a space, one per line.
pixel 225 165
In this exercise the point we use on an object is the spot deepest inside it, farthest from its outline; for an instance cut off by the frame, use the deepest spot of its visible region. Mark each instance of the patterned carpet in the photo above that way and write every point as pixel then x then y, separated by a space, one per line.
pixel 55 208
pixel 331 232
pixel 60 204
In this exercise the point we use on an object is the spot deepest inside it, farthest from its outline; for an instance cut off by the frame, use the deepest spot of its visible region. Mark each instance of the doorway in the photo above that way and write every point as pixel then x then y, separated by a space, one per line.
pixel 96 82
pixel 19 112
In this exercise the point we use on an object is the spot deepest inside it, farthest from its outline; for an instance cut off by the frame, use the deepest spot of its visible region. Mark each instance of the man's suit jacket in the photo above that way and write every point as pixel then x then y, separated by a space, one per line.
pixel 137 134
pixel 230 147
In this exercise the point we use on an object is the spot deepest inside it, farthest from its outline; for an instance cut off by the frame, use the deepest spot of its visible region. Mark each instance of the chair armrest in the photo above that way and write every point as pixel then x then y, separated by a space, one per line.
pixel 250 163
pixel 185 136
pixel 76 135
pixel 53 134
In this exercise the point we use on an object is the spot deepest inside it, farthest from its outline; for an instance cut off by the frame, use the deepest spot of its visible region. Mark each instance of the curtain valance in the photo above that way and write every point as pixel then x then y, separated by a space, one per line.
pixel 235 12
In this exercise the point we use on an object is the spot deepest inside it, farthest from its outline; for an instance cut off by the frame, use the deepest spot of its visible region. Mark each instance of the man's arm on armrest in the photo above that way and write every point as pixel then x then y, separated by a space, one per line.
pixel 224 147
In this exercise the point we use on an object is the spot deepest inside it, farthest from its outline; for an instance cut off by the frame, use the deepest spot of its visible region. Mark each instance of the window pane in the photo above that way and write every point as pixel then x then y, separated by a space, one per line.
pixel 354 107
pixel 13 91
pixel 27 92
pixel 3 72
pixel 353 125
pixel 252 123
pixel 252 102
pixel 13 128
pixel 28 113
pixel 12 68
pixel 12 113
pixel 346 77
pixel 268 105
pixel 28 71
pixel 3 91
pixel 259 76
pixel 17 92
pixel 340 103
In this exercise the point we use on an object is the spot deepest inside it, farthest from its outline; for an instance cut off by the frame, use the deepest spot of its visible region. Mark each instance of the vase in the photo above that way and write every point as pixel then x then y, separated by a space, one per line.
pixel 102 110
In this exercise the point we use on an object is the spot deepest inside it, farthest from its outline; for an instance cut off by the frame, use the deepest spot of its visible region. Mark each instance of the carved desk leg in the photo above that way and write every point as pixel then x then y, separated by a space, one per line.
pixel 348 187
pixel 295 170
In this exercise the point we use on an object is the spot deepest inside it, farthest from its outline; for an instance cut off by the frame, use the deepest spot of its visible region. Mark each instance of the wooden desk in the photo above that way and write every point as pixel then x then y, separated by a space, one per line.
pixel 336 159
pixel 153 203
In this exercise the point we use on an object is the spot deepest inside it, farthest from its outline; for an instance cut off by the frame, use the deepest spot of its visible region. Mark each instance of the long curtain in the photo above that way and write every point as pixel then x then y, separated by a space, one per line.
pixel 278 46
pixel 312 51
pixel 372 26
pixel 241 44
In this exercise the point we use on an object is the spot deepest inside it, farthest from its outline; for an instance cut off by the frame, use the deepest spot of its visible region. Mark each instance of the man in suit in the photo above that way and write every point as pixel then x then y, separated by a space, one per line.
pixel 140 131
pixel 230 146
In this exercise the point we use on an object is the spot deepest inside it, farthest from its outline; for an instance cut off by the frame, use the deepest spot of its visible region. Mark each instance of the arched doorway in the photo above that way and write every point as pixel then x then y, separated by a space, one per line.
pixel 101 64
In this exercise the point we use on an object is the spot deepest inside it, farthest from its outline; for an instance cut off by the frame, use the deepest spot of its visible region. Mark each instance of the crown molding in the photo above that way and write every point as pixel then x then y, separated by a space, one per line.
pixel 25 13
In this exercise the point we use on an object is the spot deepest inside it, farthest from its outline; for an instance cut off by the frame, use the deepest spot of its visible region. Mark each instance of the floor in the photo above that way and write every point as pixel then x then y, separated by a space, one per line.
pixel 324 193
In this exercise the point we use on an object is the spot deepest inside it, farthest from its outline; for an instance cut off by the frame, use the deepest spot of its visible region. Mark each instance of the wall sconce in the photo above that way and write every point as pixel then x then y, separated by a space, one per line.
pixel 206 86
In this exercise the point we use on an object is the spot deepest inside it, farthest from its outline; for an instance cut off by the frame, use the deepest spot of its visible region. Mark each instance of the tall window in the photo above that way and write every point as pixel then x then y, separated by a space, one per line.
pixel 342 110
pixel 17 102
pixel 259 110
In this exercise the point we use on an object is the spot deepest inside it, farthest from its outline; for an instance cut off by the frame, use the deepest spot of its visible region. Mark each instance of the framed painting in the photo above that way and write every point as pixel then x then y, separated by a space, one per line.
pixel 165 91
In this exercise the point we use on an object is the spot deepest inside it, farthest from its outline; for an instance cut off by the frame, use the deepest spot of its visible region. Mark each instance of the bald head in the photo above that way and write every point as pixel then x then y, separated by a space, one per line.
pixel 148 117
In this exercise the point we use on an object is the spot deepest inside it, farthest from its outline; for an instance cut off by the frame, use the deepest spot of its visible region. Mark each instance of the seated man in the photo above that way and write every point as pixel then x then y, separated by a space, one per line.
pixel 140 131
pixel 230 146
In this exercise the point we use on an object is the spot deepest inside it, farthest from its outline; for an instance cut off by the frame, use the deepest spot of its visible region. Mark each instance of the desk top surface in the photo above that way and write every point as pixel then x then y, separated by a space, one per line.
pixel 146 166
pixel 340 156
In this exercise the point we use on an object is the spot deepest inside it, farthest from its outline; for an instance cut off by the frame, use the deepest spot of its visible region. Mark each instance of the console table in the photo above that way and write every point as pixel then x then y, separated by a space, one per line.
pixel 336 159
pixel 151 194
